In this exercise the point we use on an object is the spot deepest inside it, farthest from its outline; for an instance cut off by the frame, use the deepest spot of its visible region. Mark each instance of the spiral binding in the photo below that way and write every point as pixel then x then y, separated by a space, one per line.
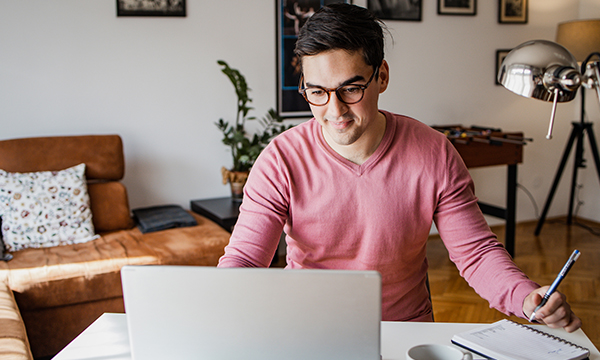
pixel 554 337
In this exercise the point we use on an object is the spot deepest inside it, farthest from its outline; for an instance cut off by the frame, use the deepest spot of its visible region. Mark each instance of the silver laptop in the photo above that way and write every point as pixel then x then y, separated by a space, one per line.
pixel 192 312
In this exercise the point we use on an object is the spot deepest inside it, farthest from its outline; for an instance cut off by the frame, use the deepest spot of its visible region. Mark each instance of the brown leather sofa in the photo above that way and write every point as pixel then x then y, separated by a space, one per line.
pixel 61 290
pixel 13 338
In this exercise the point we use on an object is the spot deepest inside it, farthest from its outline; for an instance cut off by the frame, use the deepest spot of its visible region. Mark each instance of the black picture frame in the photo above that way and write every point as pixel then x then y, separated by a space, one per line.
pixel 410 10
pixel 500 55
pixel 290 16
pixel 513 11
pixel 151 8
pixel 457 7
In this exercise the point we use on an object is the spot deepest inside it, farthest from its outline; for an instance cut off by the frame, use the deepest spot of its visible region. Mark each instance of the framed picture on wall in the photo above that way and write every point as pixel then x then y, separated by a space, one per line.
pixel 457 7
pixel 405 10
pixel 151 8
pixel 513 11
pixel 500 55
pixel 291 15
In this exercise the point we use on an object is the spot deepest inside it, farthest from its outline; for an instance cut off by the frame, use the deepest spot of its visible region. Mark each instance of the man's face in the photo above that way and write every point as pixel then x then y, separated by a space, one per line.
pixel 342 123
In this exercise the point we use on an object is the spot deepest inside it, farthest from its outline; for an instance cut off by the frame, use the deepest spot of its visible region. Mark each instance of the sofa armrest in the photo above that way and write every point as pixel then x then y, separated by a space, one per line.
pixel 13 336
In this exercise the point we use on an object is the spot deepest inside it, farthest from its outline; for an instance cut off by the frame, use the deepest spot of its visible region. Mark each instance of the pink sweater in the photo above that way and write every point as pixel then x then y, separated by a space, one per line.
pixel 375 216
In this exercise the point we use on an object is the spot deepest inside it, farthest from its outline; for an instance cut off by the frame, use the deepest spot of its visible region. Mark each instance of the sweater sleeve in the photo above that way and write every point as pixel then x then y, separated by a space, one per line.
pixel 263 213
pixel 480 258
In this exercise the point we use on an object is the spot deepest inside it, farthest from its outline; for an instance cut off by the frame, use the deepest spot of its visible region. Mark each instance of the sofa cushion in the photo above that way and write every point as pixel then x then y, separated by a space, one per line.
pixel 110 206
pixel 58 276
pixel 102 154
pixel 13 339
pixel 47 208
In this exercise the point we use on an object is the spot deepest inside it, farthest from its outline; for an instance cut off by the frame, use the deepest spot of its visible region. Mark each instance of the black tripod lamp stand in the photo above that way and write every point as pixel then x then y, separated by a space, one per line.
pixel 547 71
pixel 582 38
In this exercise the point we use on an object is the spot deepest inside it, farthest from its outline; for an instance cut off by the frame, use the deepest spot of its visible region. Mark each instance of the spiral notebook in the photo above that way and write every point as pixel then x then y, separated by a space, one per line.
pixel 508 340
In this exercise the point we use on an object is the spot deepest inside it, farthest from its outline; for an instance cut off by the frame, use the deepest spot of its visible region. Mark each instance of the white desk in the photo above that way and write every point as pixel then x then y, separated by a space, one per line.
pixel 107 339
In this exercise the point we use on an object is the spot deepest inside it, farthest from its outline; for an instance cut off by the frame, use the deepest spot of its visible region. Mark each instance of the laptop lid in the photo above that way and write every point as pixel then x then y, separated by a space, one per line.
pixel 192 312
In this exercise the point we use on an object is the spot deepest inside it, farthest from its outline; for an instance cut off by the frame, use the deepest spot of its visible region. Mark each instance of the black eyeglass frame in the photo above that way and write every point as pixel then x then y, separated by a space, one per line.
pixel 364 87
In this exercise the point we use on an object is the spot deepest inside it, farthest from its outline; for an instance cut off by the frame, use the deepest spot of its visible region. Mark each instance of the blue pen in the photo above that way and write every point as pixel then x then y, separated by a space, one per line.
pixel 574 256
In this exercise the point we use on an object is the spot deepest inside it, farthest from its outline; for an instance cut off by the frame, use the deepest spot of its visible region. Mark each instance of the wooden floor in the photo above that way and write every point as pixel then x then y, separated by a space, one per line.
pixel 541 258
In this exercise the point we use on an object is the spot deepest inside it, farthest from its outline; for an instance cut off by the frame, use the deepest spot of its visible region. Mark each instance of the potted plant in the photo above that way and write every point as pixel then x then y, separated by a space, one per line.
pixel 244 147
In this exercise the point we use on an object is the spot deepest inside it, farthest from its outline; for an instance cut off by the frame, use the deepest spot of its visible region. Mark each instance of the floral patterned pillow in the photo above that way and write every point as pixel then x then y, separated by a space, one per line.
pixel 43 209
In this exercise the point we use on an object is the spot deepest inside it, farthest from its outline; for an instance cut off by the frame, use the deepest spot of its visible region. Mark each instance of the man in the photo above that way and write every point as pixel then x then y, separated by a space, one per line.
pixel 358 188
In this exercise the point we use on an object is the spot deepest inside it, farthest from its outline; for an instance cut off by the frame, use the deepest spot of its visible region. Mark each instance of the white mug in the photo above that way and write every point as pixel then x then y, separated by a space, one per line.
pixel 436 352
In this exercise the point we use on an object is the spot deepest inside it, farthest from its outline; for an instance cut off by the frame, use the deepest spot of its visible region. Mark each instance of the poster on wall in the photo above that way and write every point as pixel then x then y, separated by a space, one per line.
pixel 405 10
pixel 457 7
pixel 500 55
pixel 513 11
pixel 291 15
pixel 151 8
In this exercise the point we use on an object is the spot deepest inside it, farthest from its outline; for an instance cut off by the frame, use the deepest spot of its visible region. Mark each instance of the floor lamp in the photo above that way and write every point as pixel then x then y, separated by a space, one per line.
pixel 582 39
pixel 547 71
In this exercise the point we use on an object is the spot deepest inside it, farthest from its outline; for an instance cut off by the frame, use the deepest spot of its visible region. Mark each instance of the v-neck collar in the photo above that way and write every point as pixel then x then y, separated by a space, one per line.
pixel 359 170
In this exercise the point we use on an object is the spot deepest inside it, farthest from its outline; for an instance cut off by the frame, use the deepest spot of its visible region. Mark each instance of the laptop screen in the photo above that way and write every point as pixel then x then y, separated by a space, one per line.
pixel 191 312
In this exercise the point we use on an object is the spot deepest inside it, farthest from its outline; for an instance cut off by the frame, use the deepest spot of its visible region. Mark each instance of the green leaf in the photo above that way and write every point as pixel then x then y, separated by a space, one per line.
pixel 245 148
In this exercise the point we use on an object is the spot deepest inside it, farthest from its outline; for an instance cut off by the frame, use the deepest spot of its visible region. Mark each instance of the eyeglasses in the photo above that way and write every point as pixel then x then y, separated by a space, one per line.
pixel 348 94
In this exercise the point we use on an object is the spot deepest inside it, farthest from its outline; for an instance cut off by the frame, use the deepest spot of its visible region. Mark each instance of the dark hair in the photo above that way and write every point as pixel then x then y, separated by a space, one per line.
pixel 342 26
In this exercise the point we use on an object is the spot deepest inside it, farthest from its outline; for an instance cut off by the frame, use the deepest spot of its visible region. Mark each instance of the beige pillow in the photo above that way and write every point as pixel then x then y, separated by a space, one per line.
pixel 43 209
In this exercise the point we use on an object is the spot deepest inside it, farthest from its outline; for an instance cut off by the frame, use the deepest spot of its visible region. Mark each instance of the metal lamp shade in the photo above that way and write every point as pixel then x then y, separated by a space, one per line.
pixel 527 68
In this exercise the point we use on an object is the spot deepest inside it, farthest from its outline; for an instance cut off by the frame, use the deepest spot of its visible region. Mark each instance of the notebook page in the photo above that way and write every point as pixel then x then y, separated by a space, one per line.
pixel 508 340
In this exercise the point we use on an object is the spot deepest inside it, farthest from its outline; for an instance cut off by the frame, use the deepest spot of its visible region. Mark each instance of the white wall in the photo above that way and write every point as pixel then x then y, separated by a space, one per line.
pixel 73 67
